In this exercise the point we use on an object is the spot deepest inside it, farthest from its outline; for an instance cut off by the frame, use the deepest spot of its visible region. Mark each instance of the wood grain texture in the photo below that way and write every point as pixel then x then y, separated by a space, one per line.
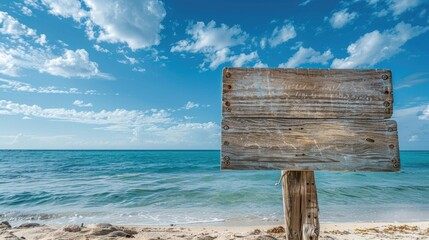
pixel 309 144
pixel 301 210
pixel 307 93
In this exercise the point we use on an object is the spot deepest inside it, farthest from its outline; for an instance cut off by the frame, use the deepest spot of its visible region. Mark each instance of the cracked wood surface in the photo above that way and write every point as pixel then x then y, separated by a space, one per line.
pixel 309 144
pixel 307 93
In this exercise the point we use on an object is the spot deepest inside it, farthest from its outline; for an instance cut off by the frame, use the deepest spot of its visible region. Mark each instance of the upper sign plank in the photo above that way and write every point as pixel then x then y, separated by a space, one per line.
pixel 307 93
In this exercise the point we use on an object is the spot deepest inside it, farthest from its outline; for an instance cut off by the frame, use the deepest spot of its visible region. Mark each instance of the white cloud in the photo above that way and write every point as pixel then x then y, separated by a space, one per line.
pixel 215 44
pixel 148 129
pixel 282 35
pixel 400 6
pixel 14 58
pixel 65 8
pixel 413 138
pixel 116 120
pixel 411 122
pixel 260 64
pixel 128 60
pixel 217 58
pixel 307 55
pixel 7 63
pixel 305 3
pixel 81 103
pixel 19 52
pixel 134 22
pixel 42 39
pixel 425 114
pixel 341 18
pixel 381 13
pixel 242 59
pixel 33 4
pixel 209 38
pixel 25 10
pixel 263 43
pixel 11 26
pixel 100 49
pixel 408 112
pixel 139 69
pixel 12 85
pixel 190 105
pixel 73 64
pixel 375 47
pixel 413 79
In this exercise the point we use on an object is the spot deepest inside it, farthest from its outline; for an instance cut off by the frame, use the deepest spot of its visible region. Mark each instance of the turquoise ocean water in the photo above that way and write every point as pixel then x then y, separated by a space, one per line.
pixel 182 187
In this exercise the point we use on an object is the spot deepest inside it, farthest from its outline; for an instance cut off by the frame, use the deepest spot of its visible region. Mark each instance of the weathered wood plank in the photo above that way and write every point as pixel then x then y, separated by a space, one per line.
pixel 300 205
pixel 309 144
pixel 307 93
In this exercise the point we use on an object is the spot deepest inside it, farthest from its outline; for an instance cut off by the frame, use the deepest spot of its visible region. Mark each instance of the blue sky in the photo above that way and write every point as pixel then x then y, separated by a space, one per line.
pixel 146 74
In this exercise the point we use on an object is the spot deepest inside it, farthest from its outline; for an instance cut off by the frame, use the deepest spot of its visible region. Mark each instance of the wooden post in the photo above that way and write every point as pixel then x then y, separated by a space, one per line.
pixel 301 209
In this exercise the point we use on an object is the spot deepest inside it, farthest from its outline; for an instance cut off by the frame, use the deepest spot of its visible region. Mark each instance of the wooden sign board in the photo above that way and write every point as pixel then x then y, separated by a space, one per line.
pixel 308 119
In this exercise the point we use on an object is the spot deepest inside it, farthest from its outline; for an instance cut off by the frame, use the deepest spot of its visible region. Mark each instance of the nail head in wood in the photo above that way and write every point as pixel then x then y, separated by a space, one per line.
pixel 226 158
pixel 386 103
pixel 226 143
pixel 228 109
pixel 384 77
pixel 227 74
pixel 225 127
pixel 227 103
pixel 391 146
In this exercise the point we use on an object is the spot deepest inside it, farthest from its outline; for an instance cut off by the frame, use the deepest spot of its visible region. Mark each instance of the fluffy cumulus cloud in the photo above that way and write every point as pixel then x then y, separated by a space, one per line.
pixel 12 27
pixel 400 6
pixel 65 8
pixel 242 59
pixel 282 35
pixel 16 57
pixel 377 46
pixel 215 43
pixel 209 38
pixel 72 64
pixel 150 128
pixel 81 103
pixel 7 63
pixel 341 18
pixel 307 55
pixel 22 48
pixel 136 23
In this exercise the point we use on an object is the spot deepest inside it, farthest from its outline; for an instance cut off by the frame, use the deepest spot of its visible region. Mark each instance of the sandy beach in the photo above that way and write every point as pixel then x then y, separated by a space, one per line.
pixel 340 231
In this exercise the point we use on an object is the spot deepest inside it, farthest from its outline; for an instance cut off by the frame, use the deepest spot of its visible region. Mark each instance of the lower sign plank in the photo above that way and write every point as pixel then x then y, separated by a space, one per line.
pixel 309 144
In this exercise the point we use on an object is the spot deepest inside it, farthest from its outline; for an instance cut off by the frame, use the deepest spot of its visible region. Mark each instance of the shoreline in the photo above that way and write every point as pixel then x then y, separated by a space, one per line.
pixel 270 231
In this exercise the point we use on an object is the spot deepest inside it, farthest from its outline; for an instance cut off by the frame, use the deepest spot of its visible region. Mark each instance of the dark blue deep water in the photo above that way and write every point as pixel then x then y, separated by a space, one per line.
pixel 164 187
